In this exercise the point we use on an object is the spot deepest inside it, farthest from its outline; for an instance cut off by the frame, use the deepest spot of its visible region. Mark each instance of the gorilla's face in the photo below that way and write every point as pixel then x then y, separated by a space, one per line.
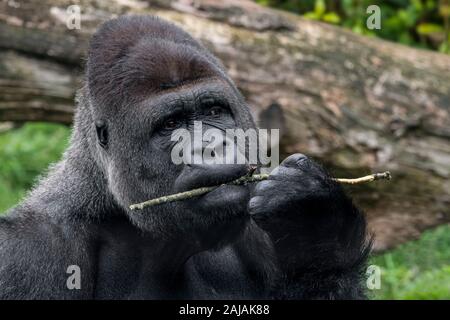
pixel 140 166
pixel 147 78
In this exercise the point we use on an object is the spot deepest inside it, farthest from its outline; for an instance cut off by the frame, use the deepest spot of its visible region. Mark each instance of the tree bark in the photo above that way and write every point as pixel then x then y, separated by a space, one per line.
pixel 357 104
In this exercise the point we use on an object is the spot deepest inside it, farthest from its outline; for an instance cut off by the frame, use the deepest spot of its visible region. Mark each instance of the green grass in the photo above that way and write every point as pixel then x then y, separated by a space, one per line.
pixel 25 153
pixel 416 270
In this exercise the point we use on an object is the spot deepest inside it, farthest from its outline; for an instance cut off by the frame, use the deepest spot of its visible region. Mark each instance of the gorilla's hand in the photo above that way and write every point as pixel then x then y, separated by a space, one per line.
pixel 296 182
pixel 307 214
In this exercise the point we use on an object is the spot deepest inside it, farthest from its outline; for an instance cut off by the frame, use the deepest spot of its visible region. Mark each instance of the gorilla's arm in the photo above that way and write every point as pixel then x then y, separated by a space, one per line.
pixel 35 255
pixel 318 234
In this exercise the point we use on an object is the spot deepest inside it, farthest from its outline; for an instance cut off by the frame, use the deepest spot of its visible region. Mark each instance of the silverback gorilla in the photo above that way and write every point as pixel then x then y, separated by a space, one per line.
pixel 294 236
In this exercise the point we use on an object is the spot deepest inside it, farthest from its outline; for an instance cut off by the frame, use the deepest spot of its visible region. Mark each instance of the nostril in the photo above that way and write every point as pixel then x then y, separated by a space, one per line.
pixel 213 153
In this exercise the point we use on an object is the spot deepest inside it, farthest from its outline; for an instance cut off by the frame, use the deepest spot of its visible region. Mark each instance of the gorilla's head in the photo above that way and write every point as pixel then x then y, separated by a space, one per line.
pixel 145 78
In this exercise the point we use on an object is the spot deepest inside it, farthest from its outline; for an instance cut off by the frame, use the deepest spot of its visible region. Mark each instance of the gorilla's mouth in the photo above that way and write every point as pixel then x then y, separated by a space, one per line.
pixel 197 176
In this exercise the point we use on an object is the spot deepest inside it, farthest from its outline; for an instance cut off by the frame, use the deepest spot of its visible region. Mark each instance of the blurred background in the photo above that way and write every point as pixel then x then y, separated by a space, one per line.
pixel 418 23
pixel 359 97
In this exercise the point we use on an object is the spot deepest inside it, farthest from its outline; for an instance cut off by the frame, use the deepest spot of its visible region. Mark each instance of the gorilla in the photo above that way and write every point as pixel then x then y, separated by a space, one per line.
pixel 294 236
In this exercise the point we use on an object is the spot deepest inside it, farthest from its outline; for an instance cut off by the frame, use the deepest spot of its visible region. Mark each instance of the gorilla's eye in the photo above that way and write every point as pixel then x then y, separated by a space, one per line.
pixel 170 124
pixel 215 111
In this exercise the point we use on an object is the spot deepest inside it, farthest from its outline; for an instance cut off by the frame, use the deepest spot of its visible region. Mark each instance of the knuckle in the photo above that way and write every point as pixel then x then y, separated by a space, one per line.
pixel 281 171
pixel 264 185
pixel 295 160
pixel 255 204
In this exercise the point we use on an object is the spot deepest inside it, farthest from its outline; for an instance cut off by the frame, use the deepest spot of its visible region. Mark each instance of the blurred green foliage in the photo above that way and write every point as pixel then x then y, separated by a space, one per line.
pixel 415 270
pixel 420 23
pixel 25 153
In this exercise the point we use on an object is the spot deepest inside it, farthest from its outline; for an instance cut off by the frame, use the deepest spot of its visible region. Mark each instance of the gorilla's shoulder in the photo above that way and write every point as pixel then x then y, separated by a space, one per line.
pixel 35 255
pixel 27 228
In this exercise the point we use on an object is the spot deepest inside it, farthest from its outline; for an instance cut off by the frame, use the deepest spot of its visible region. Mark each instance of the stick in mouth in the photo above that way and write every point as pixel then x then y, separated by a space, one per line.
pixel 248 178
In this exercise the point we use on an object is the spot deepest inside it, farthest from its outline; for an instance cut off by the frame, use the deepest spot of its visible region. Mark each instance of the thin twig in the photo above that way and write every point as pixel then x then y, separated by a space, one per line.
pixel 371 177
pixel 244 180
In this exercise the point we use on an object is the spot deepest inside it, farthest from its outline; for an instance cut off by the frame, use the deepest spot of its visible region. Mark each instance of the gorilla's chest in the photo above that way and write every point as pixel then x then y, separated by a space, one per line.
pixel 220 275
pixel 128 272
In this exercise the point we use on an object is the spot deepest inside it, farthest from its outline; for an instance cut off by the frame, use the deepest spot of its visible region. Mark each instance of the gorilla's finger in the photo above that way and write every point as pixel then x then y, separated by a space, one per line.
pixel 287 187
pixel 282 172
pixel 302 162
pixel 295 160
pixel 254 203
pixel 298 178
pixel 265 185
pixel 272 202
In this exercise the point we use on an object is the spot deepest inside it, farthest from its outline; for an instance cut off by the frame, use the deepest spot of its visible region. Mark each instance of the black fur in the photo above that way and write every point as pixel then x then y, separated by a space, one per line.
pixel 294 236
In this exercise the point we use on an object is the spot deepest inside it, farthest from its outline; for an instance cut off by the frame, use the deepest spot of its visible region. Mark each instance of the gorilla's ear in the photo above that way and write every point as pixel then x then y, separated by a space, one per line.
pixel 102 133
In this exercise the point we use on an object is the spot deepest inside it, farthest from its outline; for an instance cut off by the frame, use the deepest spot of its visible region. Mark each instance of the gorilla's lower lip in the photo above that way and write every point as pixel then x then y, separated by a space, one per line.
pixel 218 184
pixel 209 176
pixel 224 185
pixel 221 182
pixel 226 195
